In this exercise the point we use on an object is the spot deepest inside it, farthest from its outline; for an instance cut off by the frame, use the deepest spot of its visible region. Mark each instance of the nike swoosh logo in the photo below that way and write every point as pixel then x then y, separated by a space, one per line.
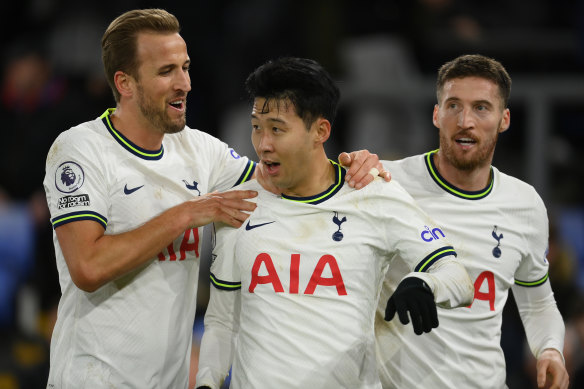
pixel 250 227
pixel 132 190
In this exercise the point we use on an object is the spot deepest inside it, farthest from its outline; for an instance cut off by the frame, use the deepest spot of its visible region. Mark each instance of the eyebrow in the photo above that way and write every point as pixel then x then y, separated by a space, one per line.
pixel 277 120
pixel 474 102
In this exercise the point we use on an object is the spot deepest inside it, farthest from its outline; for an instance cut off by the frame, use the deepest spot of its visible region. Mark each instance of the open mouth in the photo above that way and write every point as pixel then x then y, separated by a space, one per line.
pixel 179 105
pixel 466 141
pixel 272 167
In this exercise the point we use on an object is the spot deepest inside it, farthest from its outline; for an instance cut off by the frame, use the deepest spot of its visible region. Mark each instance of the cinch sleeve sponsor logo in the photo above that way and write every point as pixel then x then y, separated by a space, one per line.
pixel 430 234
pixel 234 154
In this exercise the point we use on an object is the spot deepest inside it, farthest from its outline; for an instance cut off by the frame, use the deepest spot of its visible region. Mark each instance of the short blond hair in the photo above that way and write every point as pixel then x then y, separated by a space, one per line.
pixel 119 41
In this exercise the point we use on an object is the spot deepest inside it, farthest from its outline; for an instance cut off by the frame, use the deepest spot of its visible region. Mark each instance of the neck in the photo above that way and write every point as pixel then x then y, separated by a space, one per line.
pixel 469 180
pixel 136 128
pixel 319 176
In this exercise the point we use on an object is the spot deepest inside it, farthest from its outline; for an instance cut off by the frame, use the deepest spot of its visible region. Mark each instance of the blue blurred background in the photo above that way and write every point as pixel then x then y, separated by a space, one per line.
pixel 385 55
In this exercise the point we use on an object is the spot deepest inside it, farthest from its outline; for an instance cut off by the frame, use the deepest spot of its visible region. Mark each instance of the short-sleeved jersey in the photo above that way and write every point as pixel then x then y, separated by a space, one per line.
pixel 310 270
pixel 134 332
pixel 501 232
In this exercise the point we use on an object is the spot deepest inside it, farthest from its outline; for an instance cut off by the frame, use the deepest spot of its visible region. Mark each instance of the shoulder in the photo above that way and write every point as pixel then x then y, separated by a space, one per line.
pixel 250 185
pixel 201 144
pixel 414 161
pixel 515 189
pixel 82 132
pixel 382 191
pixel 413 168
pixel 192 134
pixel 80 139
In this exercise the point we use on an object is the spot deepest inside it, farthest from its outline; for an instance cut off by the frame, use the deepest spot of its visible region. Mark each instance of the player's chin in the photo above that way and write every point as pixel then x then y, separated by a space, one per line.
pixel 175 127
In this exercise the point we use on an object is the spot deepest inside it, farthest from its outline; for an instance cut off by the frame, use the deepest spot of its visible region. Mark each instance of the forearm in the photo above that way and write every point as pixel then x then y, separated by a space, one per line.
pixel 217 345
pixel 95 259
pixel 543 323
pixel 450 283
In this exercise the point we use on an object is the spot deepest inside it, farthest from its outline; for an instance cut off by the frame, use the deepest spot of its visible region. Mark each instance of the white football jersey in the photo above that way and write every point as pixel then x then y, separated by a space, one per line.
pixel 501 232
pixel 310 271
pixel 134 332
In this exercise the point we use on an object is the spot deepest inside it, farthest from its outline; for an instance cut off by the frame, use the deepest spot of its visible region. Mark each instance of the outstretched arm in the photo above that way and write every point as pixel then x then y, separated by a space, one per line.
pixel 94 258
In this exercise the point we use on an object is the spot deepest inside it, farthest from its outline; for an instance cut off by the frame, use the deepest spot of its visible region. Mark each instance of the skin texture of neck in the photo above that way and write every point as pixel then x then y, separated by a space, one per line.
pixel 134 127
pixel 317 178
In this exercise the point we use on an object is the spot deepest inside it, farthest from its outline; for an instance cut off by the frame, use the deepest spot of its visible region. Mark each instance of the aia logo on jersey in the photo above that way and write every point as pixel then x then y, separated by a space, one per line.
pixel 497 250
pixel 338 235
pixel 69 177
pixel 429 235
pixel 189 242
pixel 265 275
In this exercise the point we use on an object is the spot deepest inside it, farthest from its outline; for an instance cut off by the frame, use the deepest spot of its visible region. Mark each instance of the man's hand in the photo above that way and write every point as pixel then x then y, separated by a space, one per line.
pixel 228 207
pixel 551 370
pixel 361 164
pixel 413 295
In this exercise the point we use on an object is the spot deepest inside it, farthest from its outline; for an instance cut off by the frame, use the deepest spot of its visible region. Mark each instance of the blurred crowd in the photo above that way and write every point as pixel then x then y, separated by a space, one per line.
pixel 52 79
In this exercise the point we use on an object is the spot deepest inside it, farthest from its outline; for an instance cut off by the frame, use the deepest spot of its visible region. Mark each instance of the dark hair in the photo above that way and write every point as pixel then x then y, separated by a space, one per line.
pixel 475 65
pixel 304 82
pixel 119 41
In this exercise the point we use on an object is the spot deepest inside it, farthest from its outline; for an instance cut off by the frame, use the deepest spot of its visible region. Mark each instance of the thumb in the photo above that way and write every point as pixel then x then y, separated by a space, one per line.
pixel 390 310
pixel 542 370
pixel 344 159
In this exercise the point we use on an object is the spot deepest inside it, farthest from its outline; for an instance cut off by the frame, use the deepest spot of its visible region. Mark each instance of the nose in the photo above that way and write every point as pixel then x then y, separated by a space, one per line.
pixel 465 118
pixel 262 141
pixel 183 81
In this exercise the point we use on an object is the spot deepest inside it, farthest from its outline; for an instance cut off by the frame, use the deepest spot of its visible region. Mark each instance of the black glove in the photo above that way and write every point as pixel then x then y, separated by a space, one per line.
pixel 414 295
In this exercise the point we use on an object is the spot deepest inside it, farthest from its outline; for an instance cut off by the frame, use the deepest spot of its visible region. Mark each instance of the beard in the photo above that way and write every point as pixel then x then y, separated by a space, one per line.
pixel 481 155
pixel 159 117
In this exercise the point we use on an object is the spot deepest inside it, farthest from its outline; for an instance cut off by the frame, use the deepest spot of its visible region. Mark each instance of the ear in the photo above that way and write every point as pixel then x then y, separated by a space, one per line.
pixel 323 130
pixel 505 121
pixel 435 116
pixel 124 83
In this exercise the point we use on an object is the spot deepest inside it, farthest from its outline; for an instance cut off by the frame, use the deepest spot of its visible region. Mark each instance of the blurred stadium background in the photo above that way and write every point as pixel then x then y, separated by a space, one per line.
pixel 385 55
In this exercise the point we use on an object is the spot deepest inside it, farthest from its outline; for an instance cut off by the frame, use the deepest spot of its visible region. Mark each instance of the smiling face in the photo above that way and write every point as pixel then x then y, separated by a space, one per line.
pixel 163 80
pixel 282 142
pixel 470 115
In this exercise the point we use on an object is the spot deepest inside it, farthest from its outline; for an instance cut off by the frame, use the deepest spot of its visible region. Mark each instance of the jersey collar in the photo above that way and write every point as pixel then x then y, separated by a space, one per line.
pixel 328 193
pixel 453 190
pixel 126 143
